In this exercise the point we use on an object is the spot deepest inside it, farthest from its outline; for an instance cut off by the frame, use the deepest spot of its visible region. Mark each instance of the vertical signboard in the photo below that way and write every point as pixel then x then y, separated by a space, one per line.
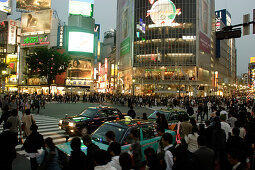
pixel 12 32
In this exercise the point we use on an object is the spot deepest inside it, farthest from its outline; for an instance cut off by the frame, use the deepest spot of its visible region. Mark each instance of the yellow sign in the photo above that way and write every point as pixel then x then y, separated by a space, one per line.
pixel 252 60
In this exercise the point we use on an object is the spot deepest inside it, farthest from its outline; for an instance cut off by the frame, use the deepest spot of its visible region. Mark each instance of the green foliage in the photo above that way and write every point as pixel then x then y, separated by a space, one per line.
pixel 47 63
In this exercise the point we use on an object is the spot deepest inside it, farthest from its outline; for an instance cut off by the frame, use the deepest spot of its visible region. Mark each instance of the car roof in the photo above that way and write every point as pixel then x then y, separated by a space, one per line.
pixel 131 123
pixel 101 107
pixel 170 111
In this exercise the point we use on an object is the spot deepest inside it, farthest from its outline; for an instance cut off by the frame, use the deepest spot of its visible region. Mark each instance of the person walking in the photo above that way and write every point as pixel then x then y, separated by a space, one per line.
pixel 136 148
pixel 191 140
pixel 27 121
pixel 32 144
pixel 78 160
pixel 131 112
pixel 8 142
pixel 15 121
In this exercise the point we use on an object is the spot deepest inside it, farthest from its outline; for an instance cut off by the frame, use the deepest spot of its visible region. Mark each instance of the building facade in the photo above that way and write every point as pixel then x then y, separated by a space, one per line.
pixel 166 47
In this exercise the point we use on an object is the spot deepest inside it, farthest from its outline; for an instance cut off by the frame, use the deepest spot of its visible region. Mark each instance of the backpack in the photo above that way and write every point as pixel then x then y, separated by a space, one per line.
pixel 161 157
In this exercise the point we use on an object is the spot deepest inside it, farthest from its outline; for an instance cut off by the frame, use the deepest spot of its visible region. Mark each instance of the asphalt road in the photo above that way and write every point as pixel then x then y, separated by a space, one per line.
pixel 60 110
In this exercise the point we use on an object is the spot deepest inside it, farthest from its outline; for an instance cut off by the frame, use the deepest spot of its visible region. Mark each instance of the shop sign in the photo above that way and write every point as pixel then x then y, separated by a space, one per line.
pixel 78 82
pixel 36 40
pixel 159 70
pixel 12 32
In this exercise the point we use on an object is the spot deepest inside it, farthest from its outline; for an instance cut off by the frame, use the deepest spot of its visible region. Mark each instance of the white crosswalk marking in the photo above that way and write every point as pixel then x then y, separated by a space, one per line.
pixel 48 127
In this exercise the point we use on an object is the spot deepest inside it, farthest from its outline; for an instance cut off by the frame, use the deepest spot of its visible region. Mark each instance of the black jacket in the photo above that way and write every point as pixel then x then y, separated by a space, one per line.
pixel 78 160
pixel 91 153
pixel 8 142
pixel 34 142
pixel 205 157
pixel 131 113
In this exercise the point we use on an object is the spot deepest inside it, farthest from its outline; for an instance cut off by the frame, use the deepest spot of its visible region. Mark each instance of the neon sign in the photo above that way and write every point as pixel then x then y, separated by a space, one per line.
pixel 163 12
pixel 37 40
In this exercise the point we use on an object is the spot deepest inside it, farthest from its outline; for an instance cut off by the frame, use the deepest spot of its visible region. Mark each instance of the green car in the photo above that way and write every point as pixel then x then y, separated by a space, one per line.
pixel 171 116
pixel 122 128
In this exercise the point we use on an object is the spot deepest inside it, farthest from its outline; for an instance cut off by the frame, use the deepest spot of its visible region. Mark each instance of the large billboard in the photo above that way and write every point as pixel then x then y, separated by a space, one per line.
pixel 33 5
pixel 81 7
pixel 80 69
pixel 5 6
pixel 81 42
pixel 36 22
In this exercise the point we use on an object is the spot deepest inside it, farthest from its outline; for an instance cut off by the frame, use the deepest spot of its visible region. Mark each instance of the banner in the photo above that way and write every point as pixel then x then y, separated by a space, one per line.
pixel 33 5
pixel 36 22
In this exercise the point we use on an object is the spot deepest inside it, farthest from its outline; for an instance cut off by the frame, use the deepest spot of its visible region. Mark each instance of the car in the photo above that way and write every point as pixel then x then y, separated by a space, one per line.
pixel 89 120
pixel 171 116
pixel 122 129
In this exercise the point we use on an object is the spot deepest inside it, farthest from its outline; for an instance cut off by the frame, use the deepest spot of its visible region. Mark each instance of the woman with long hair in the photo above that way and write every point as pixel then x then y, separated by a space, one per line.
pixel 51 156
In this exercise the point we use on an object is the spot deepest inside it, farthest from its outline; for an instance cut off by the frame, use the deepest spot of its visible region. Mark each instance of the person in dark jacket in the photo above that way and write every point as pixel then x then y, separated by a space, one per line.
pixel 136 148
pixel 78 159
pixel 91 151
pixel 204 154
pixel 8 142
pixel 131 112
pixel 33 142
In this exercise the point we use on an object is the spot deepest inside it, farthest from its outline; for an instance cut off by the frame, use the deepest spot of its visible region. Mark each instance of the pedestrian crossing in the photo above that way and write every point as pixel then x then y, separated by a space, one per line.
pixel 48 127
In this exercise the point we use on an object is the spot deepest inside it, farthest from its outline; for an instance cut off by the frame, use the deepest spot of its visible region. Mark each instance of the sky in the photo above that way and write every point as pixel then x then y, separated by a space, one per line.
pixel 105 14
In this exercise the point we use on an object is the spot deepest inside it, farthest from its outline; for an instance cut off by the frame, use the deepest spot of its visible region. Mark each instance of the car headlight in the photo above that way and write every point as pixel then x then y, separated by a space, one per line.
pixel 60 122
pixel 71 124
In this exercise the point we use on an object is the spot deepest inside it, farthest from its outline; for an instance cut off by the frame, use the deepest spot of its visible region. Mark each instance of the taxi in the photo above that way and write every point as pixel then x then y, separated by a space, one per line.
pixel 171 116
pixel 122 129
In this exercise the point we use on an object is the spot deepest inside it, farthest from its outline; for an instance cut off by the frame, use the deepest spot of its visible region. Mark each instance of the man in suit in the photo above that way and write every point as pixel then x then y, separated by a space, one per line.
pixel 8 142
pixel 205 155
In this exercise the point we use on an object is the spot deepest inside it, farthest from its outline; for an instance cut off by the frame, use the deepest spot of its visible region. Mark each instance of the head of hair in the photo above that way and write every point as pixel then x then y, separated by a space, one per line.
pixel 186 117
pixel 168 137
pixel 223 117
pixel 194 130
pixel 131 107
pixel 14 112
pixel 50 143
pixel 34 128
pixel 7 125
pixel 152 158
pixel 76 144
pixel 86 138
pixel 135 132
pixel 180 118
pixel 158 114
pixel 115 148
pixel 27 111
pixel 111 135
pixel 163 118
pixel 145 116
pixel 102 157
pixel 160 129
pixel 201 140
pixel 236 131
pixel 125 161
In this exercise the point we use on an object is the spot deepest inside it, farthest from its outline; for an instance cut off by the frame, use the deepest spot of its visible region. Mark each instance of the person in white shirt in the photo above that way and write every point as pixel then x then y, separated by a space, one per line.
pixel 167 140
pixel 225 126
pixel 191 140
pixel 115 150
pixel 209 105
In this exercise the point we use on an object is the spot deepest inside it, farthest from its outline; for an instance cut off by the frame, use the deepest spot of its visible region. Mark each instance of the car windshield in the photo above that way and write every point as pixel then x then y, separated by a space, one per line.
pixel 154 116
pixel 89 113
pixel 99 134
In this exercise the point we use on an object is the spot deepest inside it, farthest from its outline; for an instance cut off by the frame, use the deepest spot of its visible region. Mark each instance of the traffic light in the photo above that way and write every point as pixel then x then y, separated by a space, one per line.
pixel 246 25
pixel 228 34
pixel 253 21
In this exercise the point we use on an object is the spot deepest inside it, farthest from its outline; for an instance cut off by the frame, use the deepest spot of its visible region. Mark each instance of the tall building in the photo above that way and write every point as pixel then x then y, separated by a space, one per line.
pixel 226 53
pixel 166 47
pixel 251 73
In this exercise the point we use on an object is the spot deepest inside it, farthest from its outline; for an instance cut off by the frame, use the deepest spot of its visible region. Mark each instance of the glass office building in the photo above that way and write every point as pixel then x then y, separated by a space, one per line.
pixel 165 46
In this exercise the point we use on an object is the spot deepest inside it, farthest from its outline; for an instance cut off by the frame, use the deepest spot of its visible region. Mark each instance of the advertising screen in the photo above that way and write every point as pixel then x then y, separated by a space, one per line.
pixel 33 5
pixel 81 7
pixel 36 22
pixel 5 6
pixel 81 42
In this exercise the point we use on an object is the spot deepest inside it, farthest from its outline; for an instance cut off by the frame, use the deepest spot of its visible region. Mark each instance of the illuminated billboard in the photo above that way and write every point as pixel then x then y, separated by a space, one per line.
pixel 81 42
pixel 5 6
pixel 36 22
pixel 252 60
pixel 81 7
pixel 33 5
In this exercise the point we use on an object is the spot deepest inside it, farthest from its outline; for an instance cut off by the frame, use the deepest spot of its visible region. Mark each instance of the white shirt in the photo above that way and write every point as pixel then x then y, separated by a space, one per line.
pixel 232 121
pixel 191 140
pixel 168 158
pixel 115 162
pixel 226 127
pixel 105 167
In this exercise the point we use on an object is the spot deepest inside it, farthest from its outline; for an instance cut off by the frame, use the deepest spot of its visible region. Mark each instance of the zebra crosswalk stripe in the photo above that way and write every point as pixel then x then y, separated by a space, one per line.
pixel 48 127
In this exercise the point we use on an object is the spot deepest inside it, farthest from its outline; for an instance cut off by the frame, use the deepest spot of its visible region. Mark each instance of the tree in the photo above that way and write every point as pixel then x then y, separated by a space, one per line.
pixel 47 63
